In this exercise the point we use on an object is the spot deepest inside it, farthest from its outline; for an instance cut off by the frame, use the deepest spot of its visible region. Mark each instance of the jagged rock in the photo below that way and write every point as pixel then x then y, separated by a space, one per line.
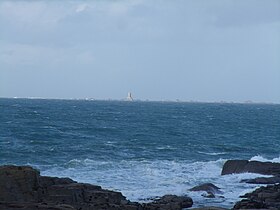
pixel 22 188
pixel 242 166
pixel 210 188
pixel 262 198
pixel 263 180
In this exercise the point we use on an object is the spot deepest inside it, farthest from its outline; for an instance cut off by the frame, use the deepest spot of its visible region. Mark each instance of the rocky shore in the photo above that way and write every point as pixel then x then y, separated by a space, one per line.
pixel 23 188
pixel 266 197
pixel 262 198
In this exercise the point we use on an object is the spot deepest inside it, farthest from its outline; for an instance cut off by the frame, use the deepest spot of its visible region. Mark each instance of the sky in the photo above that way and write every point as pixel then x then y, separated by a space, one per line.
pixel 200 50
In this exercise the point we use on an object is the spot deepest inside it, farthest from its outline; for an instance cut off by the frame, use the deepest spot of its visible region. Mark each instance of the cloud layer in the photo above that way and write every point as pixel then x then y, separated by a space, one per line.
pixel 191 50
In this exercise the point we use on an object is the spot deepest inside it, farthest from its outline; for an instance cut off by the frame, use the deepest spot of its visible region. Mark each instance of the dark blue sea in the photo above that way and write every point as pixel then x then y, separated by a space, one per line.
pixel 143 149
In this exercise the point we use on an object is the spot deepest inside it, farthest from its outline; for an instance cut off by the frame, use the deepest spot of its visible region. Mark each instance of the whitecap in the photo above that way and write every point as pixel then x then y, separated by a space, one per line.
pixel 167 147
pixel 212 153
pixel 145 179
pixel 262 159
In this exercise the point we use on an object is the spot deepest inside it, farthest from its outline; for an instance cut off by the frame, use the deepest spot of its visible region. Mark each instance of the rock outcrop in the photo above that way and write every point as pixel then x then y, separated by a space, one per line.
pixel 263 180
pixel 209 208
pixel 170 202
pixel 209 188
pixel 262 198
pixel 22 187
pixel 242 166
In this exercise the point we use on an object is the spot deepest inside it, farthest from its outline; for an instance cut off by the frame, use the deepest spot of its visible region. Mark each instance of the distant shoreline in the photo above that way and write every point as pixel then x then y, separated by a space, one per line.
pixel 147 100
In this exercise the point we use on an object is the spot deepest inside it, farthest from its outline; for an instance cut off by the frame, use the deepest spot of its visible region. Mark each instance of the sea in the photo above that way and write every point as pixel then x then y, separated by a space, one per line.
pixel 142 149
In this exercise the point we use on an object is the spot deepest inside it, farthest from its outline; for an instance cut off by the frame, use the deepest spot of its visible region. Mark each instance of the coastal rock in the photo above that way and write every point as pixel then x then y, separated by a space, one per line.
pixel 210 188
pixel 242 166
pixel 263 180
pixel 22 188
pixel 262 198
pixel 35 206
pixel 209 208
pixel 169 202
pixel 19 183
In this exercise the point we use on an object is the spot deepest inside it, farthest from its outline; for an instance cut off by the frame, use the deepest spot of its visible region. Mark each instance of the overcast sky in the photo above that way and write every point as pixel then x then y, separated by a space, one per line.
pixel 206 50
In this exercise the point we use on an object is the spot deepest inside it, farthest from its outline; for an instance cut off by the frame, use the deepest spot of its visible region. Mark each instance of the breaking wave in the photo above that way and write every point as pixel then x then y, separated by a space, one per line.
pixel 143 180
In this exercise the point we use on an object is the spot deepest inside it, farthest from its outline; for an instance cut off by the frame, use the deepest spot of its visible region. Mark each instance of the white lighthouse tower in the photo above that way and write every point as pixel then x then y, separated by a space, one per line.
pixel 129 97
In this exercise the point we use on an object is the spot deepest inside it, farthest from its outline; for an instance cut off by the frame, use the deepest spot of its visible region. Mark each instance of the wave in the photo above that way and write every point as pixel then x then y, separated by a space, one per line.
pixel 212 153
pixel 141 180
pixel 167 147
pixel 144 179
pixel 262 159
pixel 77 163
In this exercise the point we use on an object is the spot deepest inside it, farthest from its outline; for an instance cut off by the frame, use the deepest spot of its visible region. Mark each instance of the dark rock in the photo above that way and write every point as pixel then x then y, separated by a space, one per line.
pixel 262 198
pixel 19 183
pixel 234 166
pixel 23 184
pixel 22 188
pixel 210 188
pixel 249 204
pixel 34 206
pixel 209 208
pixel 263 180
pixel 242 166
pixel 46 181
pixel 169 202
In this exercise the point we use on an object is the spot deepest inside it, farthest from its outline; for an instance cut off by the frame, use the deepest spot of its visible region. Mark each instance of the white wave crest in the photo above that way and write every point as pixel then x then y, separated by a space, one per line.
pixel 212 153
pixel 262 159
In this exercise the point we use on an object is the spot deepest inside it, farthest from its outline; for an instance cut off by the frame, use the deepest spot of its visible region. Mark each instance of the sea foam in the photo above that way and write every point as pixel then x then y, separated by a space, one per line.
pixel 144 180
pixel 262 159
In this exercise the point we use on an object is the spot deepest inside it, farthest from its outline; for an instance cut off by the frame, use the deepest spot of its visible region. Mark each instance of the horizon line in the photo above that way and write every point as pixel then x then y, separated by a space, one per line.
pixel 146 100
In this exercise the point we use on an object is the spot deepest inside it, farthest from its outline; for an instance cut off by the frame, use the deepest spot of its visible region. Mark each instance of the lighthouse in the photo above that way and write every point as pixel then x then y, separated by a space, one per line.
pixel 129 97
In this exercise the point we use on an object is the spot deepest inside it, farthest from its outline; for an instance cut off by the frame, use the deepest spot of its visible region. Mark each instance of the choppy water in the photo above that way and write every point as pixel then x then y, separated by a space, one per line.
pixel 143 149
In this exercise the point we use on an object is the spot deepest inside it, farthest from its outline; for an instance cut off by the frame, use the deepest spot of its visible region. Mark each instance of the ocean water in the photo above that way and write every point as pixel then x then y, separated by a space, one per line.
pixel 142 149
